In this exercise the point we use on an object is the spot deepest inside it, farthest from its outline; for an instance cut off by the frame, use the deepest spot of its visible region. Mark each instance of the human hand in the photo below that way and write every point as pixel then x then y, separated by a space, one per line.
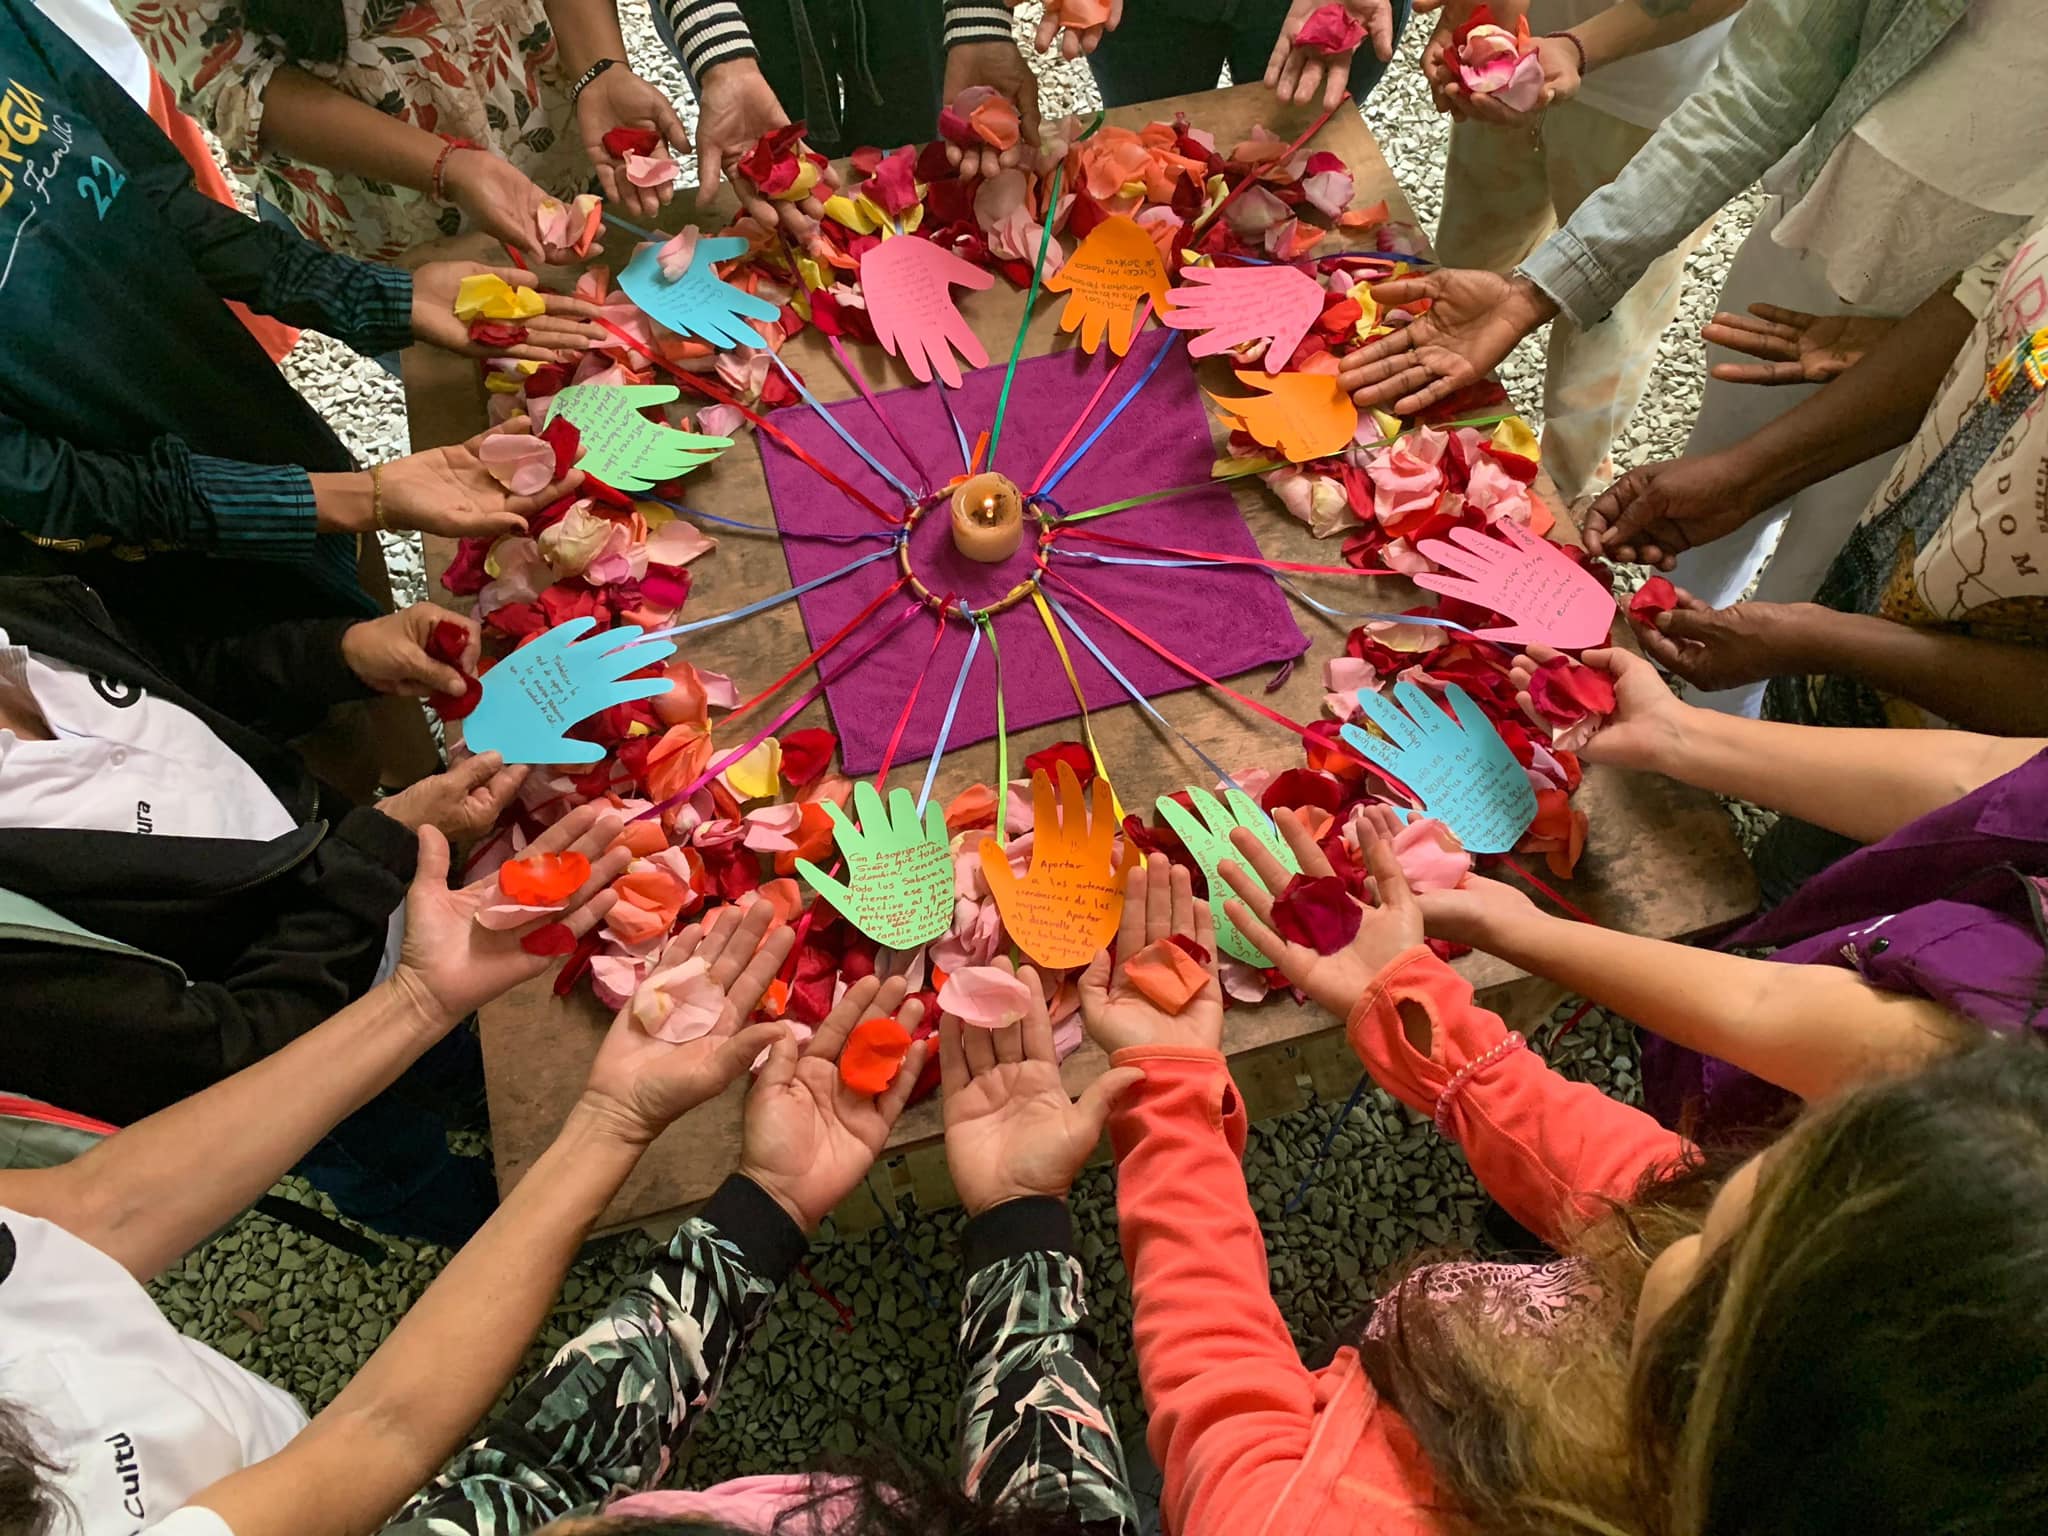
pixel 1011 1130
pixel 585 680
pixel 1713 648
pixel 641 1085
pixel 1474 320
pixel 1648 719
pixel 618 98
pixel 1796 347
pixel 1560 61
pixel 461 802
pixel 1074 872
pixel 450 964
pixel 1159 901
pixel 1074 25
pixel 498 199
pixel 899 868
pixel 1654 513
pixel 1207 842
pixel 808 1139
pixel 389 653
pixel 1334 981
pixel 1295 75
pixel 1474 912
pixel 1003 68
pixel 449 491
pixel 1439 54
pixel 562 334
pixel 736 108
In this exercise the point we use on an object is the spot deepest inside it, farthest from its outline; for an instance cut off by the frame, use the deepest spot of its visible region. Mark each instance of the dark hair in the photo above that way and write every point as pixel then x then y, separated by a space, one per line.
pixel 893 1496
pixel 312 31
pixel 29 1506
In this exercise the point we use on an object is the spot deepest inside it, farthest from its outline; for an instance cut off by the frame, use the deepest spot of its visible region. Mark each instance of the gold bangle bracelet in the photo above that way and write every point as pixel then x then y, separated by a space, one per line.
pixel 377 498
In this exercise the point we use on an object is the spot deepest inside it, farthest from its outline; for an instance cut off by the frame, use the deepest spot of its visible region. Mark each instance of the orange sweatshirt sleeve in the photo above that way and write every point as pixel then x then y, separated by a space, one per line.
pixel 1550 1150
pixel 1232 1409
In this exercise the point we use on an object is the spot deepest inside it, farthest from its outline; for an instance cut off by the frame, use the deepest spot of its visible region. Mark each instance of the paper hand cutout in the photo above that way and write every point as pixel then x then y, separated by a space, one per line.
pixel 1067 908
pixel 1304 415
pixel 1526 578
pixel 909 286
pixel 1209 841
pixel 899 871
pixel 1115 268
pixel 623 448
pixel 1234 305
pixel 537 694
pixel 1460 769
pixel 700 302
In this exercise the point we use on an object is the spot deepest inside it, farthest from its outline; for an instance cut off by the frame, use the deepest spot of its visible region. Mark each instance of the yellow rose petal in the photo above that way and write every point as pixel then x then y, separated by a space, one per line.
pixel 754 777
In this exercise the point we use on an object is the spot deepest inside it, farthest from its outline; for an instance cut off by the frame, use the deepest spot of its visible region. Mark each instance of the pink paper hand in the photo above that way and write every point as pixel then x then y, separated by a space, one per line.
pixel 1234 305
pixel 909 286
pixel 1522 577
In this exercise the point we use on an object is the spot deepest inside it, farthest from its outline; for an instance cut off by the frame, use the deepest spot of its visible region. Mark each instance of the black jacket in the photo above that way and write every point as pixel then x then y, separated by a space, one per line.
pixel 221 951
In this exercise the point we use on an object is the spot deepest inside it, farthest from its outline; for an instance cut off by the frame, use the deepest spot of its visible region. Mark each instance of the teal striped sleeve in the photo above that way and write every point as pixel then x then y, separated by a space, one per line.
pixel 358 302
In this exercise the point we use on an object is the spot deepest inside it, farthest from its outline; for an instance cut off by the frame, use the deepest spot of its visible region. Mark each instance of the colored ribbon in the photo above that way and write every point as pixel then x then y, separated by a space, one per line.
pixel 1148 497
pixel 780 533
pixel 723 396
pixel 1108 378
pixel 823 649
pixel 916 688
pixel 1114 411
pixel 860 382
pixel 959 435
pixel 988 626
pixel 1220 557
pixel 774 600
pixel 1370 617
pixel 1138 697
pixel 1080 699
pixel 931 769
pixel 838 431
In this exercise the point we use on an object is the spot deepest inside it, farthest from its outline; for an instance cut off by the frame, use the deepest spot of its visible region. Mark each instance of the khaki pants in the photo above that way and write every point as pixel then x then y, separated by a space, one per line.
pixel 1505 191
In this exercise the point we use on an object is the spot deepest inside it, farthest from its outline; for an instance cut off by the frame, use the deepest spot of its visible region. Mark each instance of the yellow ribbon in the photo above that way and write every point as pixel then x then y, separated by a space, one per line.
pixel 1073 682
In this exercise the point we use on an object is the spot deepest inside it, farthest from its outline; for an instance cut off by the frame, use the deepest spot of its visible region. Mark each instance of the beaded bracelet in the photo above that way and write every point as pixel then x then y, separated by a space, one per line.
pixel 377 498
pixel 441 165
pixel 1444 1101
pixel 1577 47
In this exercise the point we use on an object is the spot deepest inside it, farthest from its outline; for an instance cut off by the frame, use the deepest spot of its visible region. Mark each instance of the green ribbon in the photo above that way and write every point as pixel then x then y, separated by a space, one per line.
pixel 988 628
pixel 1178 490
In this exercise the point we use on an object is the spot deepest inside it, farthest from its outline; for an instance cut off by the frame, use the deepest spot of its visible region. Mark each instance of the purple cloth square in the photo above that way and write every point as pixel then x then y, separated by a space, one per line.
pixel 1222 620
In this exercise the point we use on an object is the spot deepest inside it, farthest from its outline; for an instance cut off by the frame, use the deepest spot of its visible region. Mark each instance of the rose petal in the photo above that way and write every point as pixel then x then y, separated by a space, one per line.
pixel 985 996
pixel 1317 911
pixel 1167 974
pixel 681 1003
pixel 543 879
pixel 554 939
pixel 1655 596
pixel 651 170
pixel 1431 857
pixel 523 464
pixel 873 1055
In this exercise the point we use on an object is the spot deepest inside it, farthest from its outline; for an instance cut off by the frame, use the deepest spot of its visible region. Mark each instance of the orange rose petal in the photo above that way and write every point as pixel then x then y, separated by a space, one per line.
pixel 873 1055
pixel 1167 974
pixel 543 879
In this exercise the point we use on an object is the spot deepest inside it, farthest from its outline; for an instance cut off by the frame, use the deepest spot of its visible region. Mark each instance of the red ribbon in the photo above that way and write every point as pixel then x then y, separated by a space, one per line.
pixel 809 661
pixel 1220 558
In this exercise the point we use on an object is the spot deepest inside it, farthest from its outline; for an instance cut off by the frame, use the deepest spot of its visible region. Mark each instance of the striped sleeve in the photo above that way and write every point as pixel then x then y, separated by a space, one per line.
pixel 254 511
pixel 359 302
pixel 708 33
pixel 977 21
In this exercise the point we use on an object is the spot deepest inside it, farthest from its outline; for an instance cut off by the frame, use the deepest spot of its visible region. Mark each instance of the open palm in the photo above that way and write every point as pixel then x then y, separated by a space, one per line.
pixel 808 1138
pixel 1459 340
pixel 1011 1130
pixel 1159 901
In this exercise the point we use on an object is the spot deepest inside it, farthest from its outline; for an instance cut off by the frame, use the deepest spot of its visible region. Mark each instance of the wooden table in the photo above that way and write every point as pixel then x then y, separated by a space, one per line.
pixel 1662 858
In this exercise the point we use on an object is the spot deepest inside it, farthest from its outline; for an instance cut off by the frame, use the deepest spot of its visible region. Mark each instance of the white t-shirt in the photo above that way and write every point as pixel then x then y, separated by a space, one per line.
pixel 100 33
pixel 122 761
pixel 140 1417
pixel 1642 90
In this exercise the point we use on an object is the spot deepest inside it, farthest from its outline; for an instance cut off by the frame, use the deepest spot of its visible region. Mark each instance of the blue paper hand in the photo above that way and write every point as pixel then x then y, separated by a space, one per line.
pixel 548 686
pixel 1460 769
pixel 700 302
pixel 1208 840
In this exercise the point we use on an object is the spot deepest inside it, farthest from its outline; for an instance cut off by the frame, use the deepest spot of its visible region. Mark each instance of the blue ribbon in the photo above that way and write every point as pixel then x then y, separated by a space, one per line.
pixel 770 602
pixel 1323 608
pixel 783 533
pixel 931 769
pixel 966 453
pixel 1114 411
pixel 843 435
pixel 1080 634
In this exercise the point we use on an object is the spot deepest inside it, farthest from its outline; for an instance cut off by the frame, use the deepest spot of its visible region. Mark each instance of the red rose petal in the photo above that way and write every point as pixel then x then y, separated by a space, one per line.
pixel 1655 596
pixel 806 754
pixel 543 879
pixel 623 141
pixel 1317 911
pixel 554 939
pixel 1072 753
pixel 458 708
pixel 1303 788
pixel 1563 692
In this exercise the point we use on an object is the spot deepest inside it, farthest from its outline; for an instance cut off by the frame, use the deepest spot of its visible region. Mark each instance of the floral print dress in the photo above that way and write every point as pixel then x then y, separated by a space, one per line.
pixel 484 70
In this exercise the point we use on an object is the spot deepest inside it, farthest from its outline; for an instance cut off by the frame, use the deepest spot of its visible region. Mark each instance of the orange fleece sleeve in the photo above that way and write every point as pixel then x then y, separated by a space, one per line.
pixel 1550 1150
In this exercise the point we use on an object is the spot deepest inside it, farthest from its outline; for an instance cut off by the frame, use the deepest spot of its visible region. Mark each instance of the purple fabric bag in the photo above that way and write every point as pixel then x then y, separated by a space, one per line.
pixel 1970 939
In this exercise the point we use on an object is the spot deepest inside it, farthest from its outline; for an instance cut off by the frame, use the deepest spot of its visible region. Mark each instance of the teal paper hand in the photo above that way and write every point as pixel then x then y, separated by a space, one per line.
pixel 1460 769
pixel 623 448
pixel 1209 841
pixel 899 885
pixel 548 686
pixel 700 302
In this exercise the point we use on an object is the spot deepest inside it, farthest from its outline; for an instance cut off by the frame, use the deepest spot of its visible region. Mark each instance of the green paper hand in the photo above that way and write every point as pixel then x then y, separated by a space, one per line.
pixel 899 885
pixel 1209 841
pixel 623 448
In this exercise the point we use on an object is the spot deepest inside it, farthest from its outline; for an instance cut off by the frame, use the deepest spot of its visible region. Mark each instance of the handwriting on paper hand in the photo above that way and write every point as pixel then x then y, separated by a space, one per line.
pixel 1208 840
pixel 700 302
pixel 1067 908
pixel 899 871
pixel 535 696
pixel 1524 577
pixel 1304 415
pixel 1115 270
pixel 623 448
pixel 1460 769
pixel 909 285
pixel 1234 305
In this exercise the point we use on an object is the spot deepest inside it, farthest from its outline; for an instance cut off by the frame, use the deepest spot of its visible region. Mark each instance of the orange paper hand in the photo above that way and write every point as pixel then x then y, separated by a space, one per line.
pixel 1115 268
pixel 1068 908
pixel 1304 415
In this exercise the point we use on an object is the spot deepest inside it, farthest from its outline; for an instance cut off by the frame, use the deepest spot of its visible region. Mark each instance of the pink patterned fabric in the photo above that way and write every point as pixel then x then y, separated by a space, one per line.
pixel 1519 1298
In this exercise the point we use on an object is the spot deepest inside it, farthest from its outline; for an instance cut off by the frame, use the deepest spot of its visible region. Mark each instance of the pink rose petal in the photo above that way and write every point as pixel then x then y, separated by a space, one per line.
pixel 772 828
pixel 675 257
pixel 985 996
pixel 523 464
pixel 651 170
pixel 1430 856
pixel 680 1003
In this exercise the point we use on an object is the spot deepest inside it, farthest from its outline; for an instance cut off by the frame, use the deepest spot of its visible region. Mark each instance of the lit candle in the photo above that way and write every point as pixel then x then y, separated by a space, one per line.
pixel 988 518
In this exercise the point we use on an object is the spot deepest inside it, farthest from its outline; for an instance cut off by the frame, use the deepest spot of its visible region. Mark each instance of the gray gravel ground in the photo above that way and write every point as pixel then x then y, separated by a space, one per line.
pixel 1390 1189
